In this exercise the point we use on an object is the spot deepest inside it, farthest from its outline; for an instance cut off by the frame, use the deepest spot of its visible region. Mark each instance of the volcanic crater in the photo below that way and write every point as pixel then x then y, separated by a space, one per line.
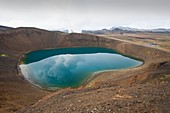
pixel 144 88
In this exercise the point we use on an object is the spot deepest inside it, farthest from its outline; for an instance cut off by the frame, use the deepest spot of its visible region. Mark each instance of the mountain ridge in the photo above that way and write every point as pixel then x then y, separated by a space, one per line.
pixel 121 29
pixel 5 27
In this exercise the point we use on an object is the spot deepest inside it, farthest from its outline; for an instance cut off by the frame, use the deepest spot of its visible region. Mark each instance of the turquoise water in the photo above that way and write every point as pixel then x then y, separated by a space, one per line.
pixel 71 67
pixel 42 54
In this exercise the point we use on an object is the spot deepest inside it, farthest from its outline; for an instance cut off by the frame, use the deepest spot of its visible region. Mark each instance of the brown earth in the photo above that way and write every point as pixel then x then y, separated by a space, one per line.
pixel 141 89
pixel 155 40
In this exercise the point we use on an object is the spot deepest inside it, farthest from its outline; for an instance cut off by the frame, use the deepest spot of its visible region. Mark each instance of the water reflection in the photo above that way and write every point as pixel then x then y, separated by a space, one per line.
pixel 69 70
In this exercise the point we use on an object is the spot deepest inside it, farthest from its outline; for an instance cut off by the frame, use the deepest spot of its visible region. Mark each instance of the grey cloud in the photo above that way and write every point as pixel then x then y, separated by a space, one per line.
pixel 85 4
pixel 80 14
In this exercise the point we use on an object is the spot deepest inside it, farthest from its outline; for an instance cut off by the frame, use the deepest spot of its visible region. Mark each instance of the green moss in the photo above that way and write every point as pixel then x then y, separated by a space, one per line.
pixel 3 55
pixel 165 78
pixel 22 62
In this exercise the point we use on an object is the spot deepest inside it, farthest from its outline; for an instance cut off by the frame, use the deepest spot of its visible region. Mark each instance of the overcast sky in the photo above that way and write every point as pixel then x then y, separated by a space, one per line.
pixel 85 14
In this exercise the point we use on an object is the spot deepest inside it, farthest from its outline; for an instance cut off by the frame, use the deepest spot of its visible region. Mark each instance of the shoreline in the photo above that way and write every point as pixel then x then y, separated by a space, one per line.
pixel 95 74
pixel 92 76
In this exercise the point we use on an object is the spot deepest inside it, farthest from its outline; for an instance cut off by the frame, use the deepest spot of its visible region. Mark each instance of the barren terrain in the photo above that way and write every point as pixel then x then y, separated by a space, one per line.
pixel 141 89
pixel 155 40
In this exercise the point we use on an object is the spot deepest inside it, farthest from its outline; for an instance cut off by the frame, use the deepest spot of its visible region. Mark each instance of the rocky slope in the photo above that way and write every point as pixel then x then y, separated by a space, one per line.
pixel 145 88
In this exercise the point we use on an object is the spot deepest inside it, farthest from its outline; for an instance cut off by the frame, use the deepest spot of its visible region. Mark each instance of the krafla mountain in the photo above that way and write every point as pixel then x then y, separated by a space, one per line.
pixel 125 30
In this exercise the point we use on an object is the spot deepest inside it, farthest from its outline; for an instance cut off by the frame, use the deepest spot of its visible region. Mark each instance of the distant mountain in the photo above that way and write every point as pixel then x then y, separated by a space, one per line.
pixel 65 31
pixel 5 27
pixel 62 31
pixel 160 30
pixel 125 30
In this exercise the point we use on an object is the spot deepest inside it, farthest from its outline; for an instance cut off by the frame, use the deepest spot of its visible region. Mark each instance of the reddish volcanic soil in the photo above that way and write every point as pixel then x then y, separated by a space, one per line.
pixel 142 89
